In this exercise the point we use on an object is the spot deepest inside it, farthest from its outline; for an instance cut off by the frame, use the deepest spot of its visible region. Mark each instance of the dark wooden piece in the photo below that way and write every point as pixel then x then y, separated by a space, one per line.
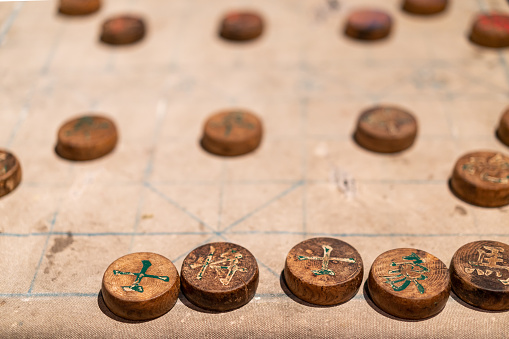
pixel 424 7
pixel 140 286
pixel 368 24
pixel 10 172
pixel 241 26
pixel 491 30
pixel 232 132
pixel 409 283
pixel 324 271
pixel 386 129
pixel 219 276
pixel 480 274
pixel 503 128
pixel 123 30
pixel 79 7
pixel 482 178
pixel 86 138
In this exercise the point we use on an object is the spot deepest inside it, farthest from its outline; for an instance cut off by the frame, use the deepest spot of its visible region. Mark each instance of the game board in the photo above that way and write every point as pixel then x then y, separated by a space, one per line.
pixel 159 191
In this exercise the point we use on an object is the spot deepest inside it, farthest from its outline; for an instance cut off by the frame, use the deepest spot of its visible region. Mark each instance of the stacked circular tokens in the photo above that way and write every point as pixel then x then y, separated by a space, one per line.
pixel 482 178
pixel 232 132
pixel 323 271
pixel 491 30
pixel 367 24
pixel 241 26
pixel 424 7
pixel 79 7
pixel 386 129
pixel 123 30
pixel 503 128
pixel 480 274
pixel 10 172
pixel 409 283
pixel 140 286
pixel 219 276
pixel 87 137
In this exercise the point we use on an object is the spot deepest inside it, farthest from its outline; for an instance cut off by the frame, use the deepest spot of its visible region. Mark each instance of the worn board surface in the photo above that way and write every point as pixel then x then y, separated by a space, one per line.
pixel 160 192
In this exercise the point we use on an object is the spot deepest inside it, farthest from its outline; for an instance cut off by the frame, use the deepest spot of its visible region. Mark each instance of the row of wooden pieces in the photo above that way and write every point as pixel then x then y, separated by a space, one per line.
pixel 406 283
pixel 480 178
pixel 490 30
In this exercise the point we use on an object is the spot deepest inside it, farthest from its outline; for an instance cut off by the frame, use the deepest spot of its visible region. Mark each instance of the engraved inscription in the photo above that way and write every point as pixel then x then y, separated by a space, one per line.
pixel 490 261
pixel 387 119
pixel 233 120
pixel 6 162
pixel 325 270
pixel 229 261
pixel 495 169
pixel 410 271
pixel 85 125
pixel 136 287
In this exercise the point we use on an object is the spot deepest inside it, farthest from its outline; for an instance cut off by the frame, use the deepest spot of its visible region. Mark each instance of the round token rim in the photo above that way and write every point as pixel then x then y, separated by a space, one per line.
pixel 481 37
pixel 241 36
pixel 355 34
pixel 414 9
pixel 10 178
pixel 77 10
pixel 123 39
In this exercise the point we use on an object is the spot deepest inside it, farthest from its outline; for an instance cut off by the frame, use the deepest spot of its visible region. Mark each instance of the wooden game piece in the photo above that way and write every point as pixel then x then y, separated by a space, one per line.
pixel 86 138
pixel 241 26
pixel 424 7
pixel 482 178
pixel 219 276
pixel 503 128
pixel 123 30
pixel 232 132
pixel 409 283
pixel 480 274
pixel 386 129
pixel 140 286
pixel 79 7
pixel 367 24
pixel 10 172
pixel 323 271
pixel 491 30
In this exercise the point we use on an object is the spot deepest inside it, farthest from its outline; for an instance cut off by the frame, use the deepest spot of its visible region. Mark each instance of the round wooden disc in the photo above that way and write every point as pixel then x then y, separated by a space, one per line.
pixel 123 30
pixel 86 138
pixel 367 24
pixel 241 26
pixel 79 7
pixel 386 129
pixel 10 172
pixel 232 132
pixel 219 276
pixel 482 178
pixel 480 274
pixel 324 271
pixel 140 286
pixel 491 30
pixel 424 7
pixel 503 128
pixel 409 283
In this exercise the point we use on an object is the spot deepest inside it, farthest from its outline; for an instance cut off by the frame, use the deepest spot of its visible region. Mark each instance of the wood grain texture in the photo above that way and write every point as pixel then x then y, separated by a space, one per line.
pixel 409 283
pixel 241 26
pixel 386 129
pixel 232 132
pixel 368 24
pixel 503 128
pixel 123 30
pixel 425 7
pixel 482 178
pixel 79 7
pixel 140 286
pixel 219 276
pixel 86 138
pixel 480 274
pixel 491 30
pixel 324 271
pixel 10 172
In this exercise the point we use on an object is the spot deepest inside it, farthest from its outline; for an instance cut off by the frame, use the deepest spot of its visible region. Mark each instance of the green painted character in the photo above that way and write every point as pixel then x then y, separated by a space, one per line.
pixel 235 119
pixel 325 261
pixel 135 287
pixel 407 273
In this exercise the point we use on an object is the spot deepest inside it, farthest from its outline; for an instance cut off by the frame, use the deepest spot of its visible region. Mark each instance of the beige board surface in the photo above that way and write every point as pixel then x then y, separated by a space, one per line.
pixel 160 192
